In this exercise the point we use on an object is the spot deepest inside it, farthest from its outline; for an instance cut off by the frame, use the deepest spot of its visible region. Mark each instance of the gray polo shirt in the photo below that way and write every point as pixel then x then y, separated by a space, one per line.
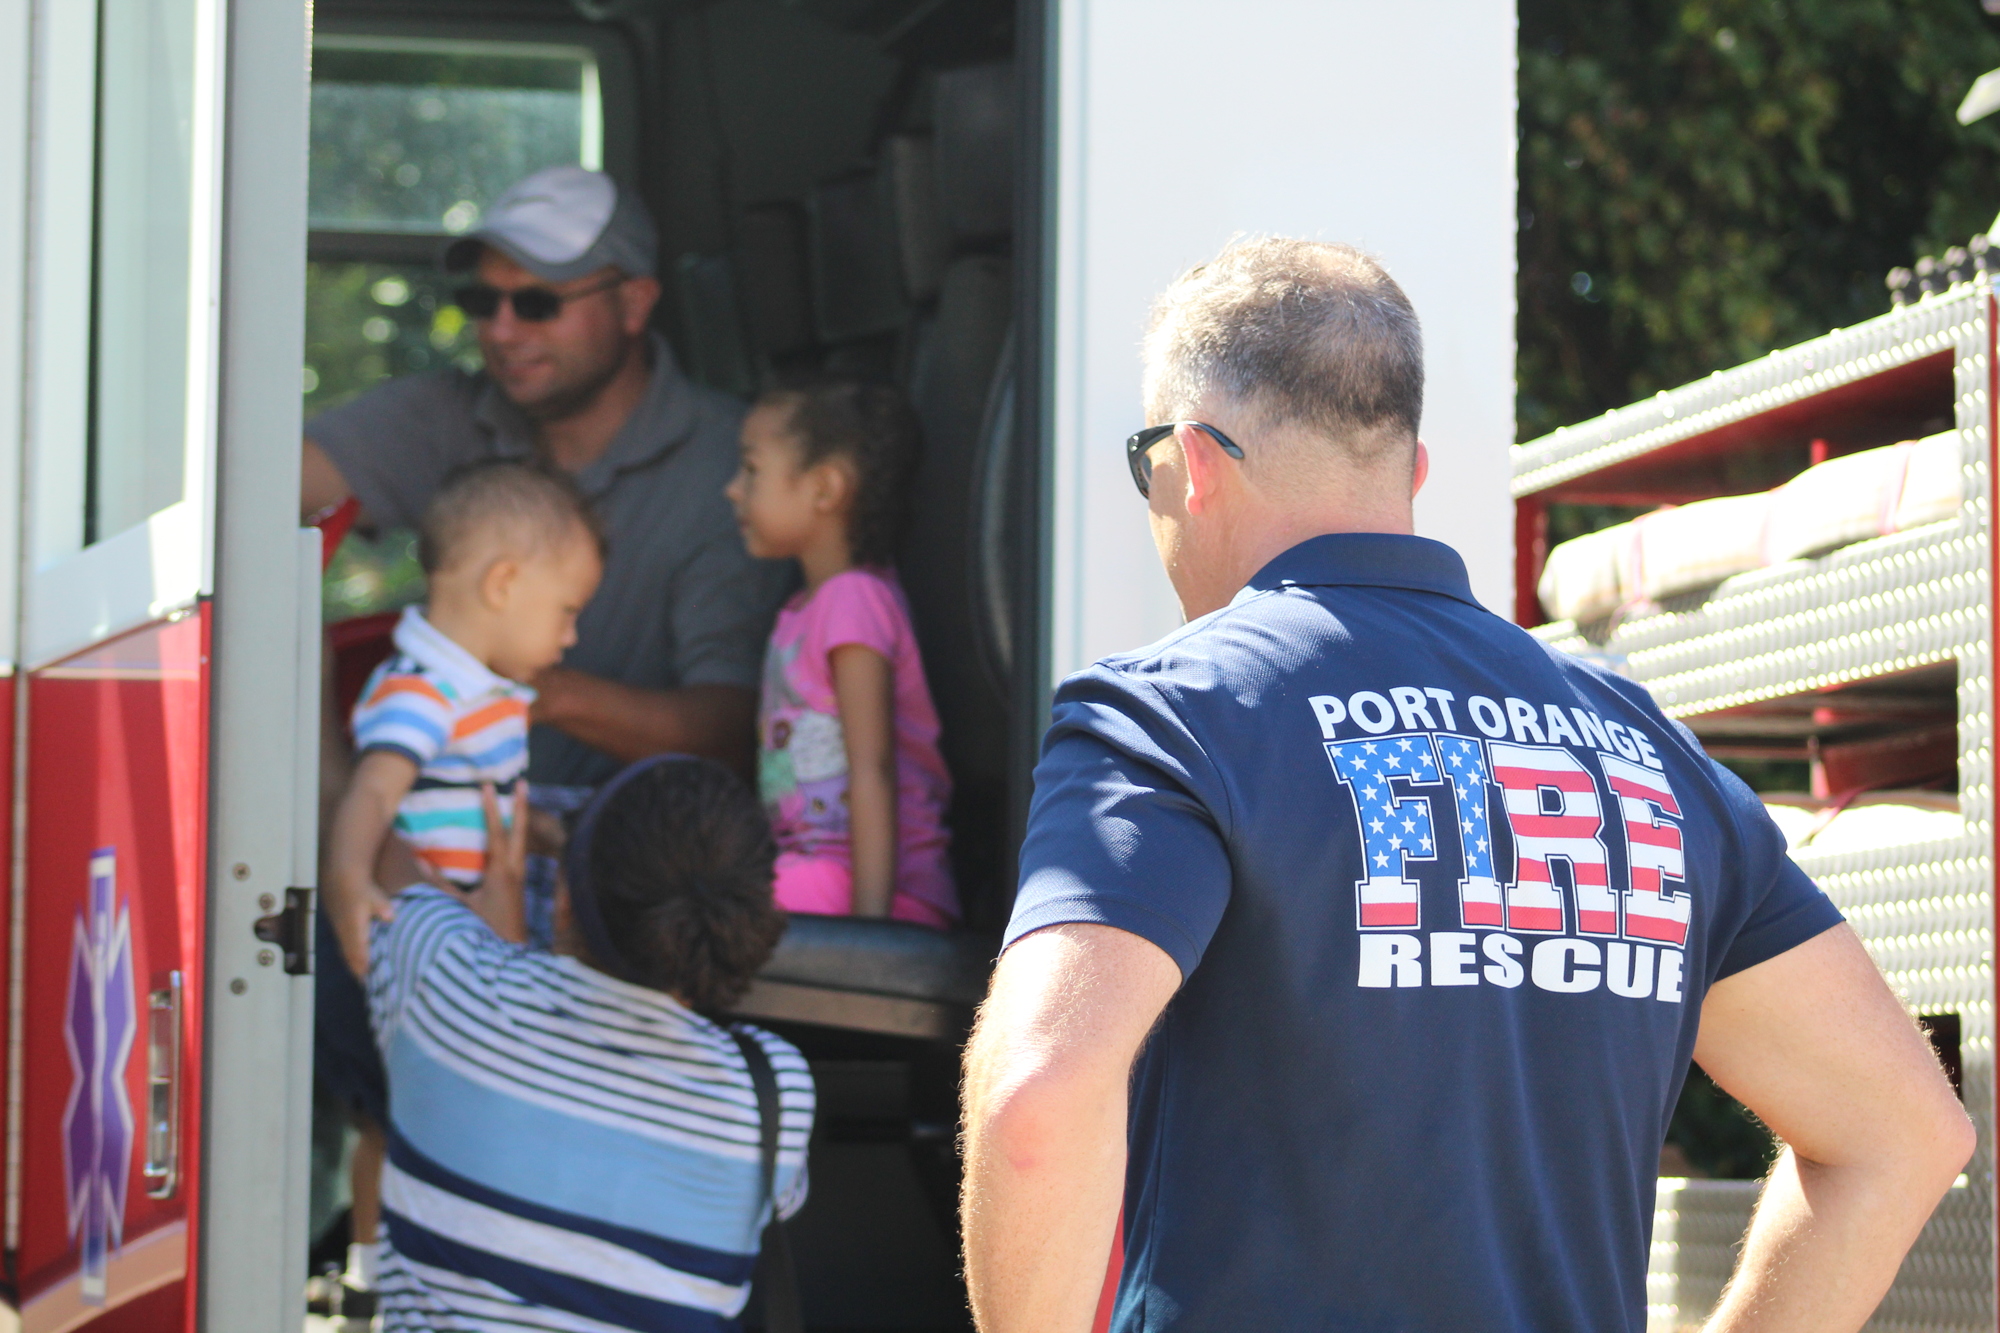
pixel 682 603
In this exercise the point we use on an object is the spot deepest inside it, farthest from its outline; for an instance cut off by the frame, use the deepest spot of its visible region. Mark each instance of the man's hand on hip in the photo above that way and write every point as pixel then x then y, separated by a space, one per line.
pixel 1817 1046
pixel 1046 1084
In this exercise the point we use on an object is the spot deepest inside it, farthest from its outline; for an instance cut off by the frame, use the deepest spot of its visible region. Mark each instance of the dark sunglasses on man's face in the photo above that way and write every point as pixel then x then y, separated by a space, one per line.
pixel 536 305
pixel 1139 450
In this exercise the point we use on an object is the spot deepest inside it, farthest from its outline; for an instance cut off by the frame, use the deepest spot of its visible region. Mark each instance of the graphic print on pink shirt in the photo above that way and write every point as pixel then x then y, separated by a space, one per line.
pixel 802 751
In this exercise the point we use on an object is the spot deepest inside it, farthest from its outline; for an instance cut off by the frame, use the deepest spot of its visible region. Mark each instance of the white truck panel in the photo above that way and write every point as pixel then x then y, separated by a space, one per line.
pixel 1182 123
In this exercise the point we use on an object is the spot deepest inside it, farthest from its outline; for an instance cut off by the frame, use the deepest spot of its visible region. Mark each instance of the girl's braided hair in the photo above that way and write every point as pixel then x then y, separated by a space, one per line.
pixel 872 425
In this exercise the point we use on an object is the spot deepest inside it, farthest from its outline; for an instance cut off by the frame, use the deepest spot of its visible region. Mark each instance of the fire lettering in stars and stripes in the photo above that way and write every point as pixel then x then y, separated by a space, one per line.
pixel 1479 892
pixel 1395 826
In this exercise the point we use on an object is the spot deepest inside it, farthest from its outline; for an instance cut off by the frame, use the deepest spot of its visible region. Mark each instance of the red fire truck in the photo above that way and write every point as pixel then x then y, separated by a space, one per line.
pixel 202 201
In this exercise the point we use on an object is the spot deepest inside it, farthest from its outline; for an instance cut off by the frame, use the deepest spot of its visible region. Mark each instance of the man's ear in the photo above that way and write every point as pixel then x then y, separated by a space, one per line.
pixel 1205 463
pixel 1422 471
pixel 636 298
pixel 496 585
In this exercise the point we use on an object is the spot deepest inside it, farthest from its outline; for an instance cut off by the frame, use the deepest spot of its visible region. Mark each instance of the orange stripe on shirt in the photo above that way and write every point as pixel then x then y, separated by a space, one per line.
pixel 500 710
pixel 453 858
pixel 406 685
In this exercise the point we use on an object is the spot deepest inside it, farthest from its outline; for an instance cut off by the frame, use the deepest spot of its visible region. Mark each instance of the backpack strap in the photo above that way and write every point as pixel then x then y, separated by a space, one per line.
pixel 776 1281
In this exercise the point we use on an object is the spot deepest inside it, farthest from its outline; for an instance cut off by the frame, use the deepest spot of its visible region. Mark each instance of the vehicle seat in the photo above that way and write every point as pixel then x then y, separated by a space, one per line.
pixel 856 267
pixel 712 324
pixel 973 126
pixel 776 288
pixel 872 975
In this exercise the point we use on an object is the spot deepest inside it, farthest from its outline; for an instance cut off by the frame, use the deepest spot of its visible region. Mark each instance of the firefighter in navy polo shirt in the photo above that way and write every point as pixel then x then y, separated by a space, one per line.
pixel 1363 942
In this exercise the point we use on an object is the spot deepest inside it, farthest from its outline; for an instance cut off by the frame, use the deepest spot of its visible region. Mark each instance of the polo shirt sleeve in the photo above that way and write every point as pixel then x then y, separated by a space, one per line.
pixel 1785 908
pixel 405 714
pixel 396 443
pixel 1127 825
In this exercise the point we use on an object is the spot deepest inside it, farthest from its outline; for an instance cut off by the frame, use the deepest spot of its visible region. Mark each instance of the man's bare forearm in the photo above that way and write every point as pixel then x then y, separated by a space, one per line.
pixel 321 486
pixel 1826 1241
pixel 1815 1043
pixel 628 723
pixel 1045 1106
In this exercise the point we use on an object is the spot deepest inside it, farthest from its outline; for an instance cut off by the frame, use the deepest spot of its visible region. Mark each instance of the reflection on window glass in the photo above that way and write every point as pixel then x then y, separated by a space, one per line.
pixel 366 323
pixel 419 136
pixel 139 326
pixel 371 573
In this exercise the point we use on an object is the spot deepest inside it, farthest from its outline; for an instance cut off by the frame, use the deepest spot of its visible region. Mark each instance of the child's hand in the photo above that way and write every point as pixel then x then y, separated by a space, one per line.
pixel 351 908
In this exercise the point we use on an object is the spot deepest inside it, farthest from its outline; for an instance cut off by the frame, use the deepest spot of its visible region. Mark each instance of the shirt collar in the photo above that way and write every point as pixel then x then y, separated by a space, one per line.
pixel 663 420
pixel 469 678
pixel 1367 559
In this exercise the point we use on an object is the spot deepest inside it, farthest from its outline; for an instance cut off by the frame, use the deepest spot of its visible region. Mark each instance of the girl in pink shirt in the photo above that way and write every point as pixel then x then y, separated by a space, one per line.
pixel 848 762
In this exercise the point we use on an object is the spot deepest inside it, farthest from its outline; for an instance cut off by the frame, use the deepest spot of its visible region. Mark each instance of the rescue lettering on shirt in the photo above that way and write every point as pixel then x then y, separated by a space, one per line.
pixel 1567 784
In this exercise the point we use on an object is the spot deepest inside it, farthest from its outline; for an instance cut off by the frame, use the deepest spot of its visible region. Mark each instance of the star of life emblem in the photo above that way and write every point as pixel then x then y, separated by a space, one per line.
pixel 103 1017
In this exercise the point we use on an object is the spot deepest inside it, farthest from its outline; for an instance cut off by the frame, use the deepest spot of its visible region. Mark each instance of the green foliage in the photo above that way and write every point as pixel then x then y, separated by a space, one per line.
pixel 1705 180
pixel 366 323
pixel 1717 1134
pixel 1772 774
pixel 372 574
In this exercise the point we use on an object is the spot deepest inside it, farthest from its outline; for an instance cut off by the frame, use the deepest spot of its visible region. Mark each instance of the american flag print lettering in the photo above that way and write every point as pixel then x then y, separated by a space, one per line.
pixel 1556 814
pixel 1653 842
pixel 1395 823
pixel 1479 899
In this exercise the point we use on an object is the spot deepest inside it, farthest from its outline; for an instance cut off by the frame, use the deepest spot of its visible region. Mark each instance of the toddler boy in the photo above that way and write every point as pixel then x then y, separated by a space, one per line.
pixel 512 555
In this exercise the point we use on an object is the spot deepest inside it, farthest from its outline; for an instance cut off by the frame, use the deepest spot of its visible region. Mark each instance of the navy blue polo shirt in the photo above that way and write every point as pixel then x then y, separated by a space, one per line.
pixel 1445 902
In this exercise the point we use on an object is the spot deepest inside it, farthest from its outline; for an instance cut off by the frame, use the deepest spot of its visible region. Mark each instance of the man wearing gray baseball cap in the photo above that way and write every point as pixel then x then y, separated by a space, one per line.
pixel 562 281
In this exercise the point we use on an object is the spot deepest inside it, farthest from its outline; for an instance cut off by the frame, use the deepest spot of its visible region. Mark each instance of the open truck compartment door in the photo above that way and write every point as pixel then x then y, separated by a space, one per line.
pixel 1865 661
pixel 156 1138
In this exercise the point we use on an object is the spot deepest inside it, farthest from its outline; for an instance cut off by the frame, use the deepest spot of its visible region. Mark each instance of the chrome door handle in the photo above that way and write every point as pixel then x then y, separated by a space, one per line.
pixel 163 1089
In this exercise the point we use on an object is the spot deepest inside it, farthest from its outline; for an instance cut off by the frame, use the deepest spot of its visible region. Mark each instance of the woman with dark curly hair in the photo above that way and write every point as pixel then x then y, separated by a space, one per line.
pixel 574 1139
pixel 848 760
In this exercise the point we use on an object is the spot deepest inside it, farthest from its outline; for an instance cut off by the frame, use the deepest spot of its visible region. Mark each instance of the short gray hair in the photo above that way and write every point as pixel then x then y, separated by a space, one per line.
pixel 1304 333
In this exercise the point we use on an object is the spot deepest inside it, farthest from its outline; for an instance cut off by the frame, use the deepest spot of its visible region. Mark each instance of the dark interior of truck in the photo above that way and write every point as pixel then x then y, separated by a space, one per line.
pixel 840 185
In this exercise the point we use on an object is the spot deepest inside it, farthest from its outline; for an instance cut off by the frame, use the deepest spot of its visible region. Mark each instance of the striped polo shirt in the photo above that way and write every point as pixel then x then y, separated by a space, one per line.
pixel 567 1151
pixel 461 724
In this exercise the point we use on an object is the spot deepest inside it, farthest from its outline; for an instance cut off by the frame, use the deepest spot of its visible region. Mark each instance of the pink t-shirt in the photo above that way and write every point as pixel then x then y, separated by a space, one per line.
pixel 802 752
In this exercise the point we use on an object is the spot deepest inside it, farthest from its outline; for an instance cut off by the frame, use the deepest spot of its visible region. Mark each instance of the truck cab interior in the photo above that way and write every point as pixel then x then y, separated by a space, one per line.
pixel 840 185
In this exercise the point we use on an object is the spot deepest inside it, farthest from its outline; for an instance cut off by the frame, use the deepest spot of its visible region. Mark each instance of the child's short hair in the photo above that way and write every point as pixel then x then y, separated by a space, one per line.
pixel 676 857
pixel 539 505
pixel 872 425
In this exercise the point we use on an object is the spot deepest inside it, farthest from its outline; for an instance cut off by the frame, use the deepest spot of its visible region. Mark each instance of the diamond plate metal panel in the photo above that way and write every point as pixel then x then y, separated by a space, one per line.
pixel 1840 357
pixel 1699 1224
pixel 1696 1226
pixel 1925 909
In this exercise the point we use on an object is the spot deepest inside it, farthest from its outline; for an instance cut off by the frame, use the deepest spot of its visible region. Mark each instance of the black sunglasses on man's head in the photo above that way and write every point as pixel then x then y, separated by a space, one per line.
pixel 1139 456
pixel 536 305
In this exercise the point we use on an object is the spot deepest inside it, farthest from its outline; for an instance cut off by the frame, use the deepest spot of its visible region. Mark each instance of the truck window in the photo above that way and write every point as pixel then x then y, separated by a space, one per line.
pixel 411 139
pixel 142 263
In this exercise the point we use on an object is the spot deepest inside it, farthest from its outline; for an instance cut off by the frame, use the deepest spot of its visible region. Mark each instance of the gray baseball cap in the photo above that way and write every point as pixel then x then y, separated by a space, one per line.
pixel 562 223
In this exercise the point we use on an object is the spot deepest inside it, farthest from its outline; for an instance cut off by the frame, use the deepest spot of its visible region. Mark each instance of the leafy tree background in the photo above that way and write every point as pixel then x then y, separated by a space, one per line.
pixel 1702 181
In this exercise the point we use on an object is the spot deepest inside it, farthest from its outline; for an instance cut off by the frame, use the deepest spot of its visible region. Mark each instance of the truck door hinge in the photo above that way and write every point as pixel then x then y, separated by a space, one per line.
pixel 291 929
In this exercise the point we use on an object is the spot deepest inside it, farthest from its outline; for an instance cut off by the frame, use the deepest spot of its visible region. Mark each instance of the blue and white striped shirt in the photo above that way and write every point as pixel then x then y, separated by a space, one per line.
pixel 567 1151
